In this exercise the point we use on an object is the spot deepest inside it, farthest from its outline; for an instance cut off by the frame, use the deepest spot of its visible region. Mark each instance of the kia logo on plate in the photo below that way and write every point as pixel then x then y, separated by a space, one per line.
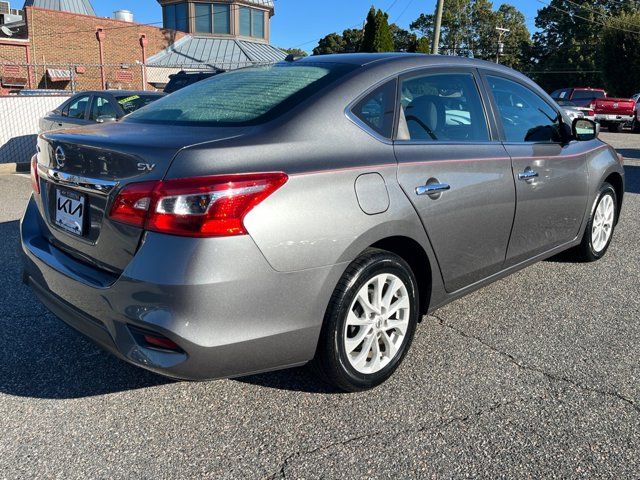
pixel 60 157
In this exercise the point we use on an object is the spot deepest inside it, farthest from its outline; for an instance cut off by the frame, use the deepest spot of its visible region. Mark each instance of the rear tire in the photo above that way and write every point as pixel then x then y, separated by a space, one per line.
pixel 615 127
pixel 600 228
pixel 370 322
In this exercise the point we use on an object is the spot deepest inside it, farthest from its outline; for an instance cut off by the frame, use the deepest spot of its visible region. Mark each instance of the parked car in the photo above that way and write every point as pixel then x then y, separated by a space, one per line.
pixel 87 108
pixel 612 113
pixel 573 111
pixel 635 126
pixel 220 231
pixel 182 79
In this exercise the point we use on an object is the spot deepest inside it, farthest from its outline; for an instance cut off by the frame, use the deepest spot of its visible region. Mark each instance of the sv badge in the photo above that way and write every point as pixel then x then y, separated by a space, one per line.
pixel 146 167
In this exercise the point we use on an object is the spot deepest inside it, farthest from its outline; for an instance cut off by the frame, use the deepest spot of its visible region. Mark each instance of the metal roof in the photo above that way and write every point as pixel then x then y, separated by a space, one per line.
pixel 193 52
pixel 82 7
pixel 262 3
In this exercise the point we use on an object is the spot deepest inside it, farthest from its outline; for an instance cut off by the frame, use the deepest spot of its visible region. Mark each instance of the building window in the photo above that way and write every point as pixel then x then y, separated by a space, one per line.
pixel 176 17
pixel 251 22
pixel 221 18
pixel 212 18
pixel 203 18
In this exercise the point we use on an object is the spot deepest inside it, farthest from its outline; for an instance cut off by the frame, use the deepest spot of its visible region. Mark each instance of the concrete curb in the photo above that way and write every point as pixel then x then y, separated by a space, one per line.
pixel 9 168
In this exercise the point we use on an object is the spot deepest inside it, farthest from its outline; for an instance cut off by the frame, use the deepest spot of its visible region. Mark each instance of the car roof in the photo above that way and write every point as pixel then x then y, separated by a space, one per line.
pixel 118 92
pixel 363 59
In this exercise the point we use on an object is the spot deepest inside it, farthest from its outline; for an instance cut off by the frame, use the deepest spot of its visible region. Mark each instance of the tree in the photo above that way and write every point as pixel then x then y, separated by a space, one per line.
pixel 456 30
pixel 620 59
pixel 517 42
pixel 377 34
pixel 483 38
pixel 423 45
pixel 566 48
pixel 332 43
pixel 294 51
pixel 352 40
pixel 403 40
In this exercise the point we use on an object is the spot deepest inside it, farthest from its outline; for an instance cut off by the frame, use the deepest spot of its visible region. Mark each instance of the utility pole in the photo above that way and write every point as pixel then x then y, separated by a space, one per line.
pixel 501 33
pixel 436 31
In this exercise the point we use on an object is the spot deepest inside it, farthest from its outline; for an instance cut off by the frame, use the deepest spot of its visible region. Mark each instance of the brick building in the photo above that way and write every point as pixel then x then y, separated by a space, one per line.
pixel 62 44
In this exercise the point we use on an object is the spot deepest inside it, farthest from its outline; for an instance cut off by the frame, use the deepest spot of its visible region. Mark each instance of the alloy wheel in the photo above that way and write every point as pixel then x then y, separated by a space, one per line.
pixel 603 221
pixel 377 323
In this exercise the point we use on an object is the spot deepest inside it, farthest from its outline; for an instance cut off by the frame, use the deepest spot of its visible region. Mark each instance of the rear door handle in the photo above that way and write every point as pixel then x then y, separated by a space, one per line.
pixel 528 174
pixel 432 188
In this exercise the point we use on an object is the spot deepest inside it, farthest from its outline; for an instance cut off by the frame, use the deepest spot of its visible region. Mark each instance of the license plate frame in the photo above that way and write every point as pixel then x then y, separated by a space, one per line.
pixel 69 211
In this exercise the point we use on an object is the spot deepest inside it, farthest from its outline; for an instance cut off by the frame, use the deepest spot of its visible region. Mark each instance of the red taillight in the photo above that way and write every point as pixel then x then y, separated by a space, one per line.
pixel 590 113
pixel 195 207
pixel 131 206
pixel 35 179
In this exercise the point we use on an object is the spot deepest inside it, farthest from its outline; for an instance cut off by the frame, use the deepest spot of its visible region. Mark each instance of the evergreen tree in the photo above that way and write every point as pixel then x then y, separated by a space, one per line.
pixel 377 33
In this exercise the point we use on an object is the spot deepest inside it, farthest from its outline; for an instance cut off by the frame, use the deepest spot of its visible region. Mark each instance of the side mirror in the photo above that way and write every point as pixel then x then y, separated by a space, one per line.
pixel 584 129
pixel 105 119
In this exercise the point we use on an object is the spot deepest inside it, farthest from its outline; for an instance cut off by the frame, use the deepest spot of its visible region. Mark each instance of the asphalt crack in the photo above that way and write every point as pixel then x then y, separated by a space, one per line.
pixel 282 471
pixel 550 376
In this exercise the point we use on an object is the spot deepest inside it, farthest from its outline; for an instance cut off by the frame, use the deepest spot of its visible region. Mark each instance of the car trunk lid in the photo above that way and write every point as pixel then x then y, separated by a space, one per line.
pixel 82 170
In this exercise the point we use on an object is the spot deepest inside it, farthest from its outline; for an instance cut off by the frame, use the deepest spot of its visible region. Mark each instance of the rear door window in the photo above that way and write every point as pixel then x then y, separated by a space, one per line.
pixel 525 116
pixel 443 107
pixel 102 107
pixel 78 108
pixel 377 109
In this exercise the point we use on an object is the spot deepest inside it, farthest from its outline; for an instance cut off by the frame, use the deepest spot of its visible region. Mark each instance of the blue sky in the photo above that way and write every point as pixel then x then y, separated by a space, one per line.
pixel 300 23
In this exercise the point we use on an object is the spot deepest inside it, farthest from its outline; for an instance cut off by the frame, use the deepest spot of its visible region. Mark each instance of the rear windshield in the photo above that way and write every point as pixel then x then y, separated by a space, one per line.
pixel 243 97
pixel 131 103
pixel 586 95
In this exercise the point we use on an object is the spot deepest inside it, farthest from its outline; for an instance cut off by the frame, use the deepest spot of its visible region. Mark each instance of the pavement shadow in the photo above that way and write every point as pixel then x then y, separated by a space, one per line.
pixel 632 178
pixel 301 379
pixel 629 152
pixel 18 149
pixel 40 356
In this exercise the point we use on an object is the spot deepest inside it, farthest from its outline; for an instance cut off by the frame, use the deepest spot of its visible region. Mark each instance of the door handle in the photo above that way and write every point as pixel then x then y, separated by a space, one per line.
pixel 432 188
pixel 528 174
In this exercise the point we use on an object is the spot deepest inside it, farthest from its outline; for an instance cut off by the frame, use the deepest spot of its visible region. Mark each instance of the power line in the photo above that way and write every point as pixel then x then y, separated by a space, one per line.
pixel 574 15
pixel 608 17
pixel 403 11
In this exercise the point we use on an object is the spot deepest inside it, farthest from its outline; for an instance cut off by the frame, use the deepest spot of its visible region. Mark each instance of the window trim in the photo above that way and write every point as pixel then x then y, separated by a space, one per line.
pixel 484 73
pixel 492 130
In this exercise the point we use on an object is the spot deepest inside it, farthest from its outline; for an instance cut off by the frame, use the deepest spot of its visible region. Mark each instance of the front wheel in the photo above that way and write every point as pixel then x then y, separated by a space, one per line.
pixel 370 322
pixel 599 232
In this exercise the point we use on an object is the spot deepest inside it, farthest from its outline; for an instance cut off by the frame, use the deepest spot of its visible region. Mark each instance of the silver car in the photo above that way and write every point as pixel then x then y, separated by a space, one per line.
pixel 311 210
pixel 91 107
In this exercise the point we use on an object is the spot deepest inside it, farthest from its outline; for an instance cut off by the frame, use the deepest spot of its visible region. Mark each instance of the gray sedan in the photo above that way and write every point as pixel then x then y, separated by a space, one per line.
pixel 91 107
pixel 312 210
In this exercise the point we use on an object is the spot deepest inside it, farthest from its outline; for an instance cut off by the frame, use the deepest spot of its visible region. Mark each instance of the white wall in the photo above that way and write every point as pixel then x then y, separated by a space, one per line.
pixel 19 117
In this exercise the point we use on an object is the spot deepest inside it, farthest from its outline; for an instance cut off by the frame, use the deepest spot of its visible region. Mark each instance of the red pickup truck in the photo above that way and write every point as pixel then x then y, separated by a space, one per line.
pixel 612 113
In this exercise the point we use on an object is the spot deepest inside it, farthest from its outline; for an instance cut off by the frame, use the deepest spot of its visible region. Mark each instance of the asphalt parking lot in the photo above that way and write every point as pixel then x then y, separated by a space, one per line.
pixel 537 375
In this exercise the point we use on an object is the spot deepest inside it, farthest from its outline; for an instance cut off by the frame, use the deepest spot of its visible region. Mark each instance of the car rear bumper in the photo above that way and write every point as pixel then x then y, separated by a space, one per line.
pixel 218 299
pixel 610 118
